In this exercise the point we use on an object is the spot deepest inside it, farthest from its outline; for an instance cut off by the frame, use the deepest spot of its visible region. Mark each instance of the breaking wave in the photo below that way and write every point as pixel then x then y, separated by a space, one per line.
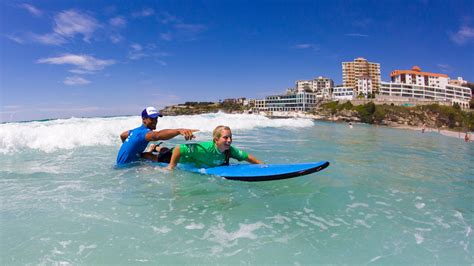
pixel 52 135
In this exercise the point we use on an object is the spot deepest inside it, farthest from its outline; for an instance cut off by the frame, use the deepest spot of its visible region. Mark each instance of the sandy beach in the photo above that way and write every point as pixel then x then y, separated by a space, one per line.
pixel 445 132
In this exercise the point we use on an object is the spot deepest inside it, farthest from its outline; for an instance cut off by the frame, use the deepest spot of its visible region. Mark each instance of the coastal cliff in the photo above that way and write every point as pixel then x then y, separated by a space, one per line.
pixel 194 108
pixel 433 116
pixel 430 116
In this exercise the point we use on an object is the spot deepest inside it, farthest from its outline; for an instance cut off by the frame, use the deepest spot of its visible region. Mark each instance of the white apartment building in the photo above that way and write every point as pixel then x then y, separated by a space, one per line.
pixel 459 81
pixel 416 77
pixel 359 68
pixel 342 93
pixel 425 85
pixel 304 85
pixel 260 105
pixel 454 94
pixel 321 86
pixel 364 86
pixel 299 101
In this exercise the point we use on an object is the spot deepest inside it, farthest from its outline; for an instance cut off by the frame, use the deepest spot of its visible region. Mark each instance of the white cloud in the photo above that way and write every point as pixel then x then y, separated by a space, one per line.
pixel 463 35
pixel 167 18
pixel 306 46
pixel 139 51
pixel 33 10
pixel 70 23
pixel 146 12
pixel 75 80
pixel 136 47
pixel 161 62
pixel 116 38
pixel 362 22
pixel 50 38
pixel 15 39
pixel 356 35
pixel 192 28
pixel 84 63
pixel 445 68
pixel 179 29
pixel 166 36
pixel 183 31
pixel 136 56
pixel 13 107
pixel 118 22
pixel 303 46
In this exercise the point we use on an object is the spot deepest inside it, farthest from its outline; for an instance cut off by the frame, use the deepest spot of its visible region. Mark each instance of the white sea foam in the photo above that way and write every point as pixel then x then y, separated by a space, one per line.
pixel 220 235
pixel 420 205
pixel 53 135
pixel 194 226
pixel 419 238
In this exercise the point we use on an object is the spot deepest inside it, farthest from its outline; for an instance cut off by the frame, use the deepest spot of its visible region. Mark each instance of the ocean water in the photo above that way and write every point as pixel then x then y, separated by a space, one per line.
pixel 390 196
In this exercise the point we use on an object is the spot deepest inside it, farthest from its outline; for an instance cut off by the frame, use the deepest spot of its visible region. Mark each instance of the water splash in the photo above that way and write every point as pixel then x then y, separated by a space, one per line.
pixel 66 134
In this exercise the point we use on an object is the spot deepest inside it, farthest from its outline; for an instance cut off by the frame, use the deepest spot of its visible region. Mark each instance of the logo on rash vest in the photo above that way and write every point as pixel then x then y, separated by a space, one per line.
pixel 131 134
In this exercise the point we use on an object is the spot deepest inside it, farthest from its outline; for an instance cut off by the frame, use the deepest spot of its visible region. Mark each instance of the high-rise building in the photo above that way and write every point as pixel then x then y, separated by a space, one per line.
pixel 360 68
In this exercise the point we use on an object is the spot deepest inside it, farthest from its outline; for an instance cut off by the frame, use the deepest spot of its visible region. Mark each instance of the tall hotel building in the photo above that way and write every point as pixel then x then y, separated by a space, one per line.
pixel 360 69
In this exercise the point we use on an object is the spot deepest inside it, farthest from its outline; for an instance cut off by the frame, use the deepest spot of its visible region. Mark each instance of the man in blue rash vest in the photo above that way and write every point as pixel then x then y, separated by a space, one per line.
pixel 136 140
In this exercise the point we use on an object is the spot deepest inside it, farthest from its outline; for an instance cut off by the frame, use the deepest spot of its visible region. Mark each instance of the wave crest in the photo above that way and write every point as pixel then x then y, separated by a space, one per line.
pixel 49 136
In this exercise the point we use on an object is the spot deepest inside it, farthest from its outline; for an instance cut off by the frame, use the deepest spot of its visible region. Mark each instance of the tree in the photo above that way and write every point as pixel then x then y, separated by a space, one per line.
pixel 456 106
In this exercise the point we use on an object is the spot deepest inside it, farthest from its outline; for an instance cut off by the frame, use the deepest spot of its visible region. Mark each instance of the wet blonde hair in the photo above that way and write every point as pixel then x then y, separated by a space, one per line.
pixel 217 133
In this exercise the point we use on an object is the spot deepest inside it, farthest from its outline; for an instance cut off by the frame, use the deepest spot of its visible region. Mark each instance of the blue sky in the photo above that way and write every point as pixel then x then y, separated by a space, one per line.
pixel 100 58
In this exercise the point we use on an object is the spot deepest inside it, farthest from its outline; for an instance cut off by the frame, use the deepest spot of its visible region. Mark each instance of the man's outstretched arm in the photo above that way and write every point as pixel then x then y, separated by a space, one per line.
pixel 166 134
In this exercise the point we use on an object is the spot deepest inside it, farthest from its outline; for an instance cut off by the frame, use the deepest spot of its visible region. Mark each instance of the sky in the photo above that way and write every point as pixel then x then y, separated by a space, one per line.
pixel 62 59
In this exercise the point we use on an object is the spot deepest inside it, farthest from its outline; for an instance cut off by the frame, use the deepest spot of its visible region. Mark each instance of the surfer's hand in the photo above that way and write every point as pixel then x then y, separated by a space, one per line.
pixel 187 133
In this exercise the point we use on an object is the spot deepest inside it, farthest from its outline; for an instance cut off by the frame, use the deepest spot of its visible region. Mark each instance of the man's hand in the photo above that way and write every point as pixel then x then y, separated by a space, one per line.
pixel 187 133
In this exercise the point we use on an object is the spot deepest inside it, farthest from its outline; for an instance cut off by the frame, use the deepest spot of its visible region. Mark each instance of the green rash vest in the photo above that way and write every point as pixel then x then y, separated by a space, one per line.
pixel 206 154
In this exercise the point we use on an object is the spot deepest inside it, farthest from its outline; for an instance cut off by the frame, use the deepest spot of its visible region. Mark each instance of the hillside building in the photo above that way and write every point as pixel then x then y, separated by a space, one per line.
pixel 360 69
pixel 342 93
pixel 322 86
pixel 427 86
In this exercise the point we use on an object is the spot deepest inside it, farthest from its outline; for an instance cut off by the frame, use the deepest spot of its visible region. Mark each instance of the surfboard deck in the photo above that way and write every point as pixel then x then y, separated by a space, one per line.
pixel 259 172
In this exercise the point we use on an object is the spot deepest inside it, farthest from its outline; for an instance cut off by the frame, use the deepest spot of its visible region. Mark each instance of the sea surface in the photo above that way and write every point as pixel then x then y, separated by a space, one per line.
pixel 390 196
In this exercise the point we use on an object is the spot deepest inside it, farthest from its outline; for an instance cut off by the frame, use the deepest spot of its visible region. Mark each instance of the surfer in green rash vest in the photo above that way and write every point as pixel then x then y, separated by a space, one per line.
pixel 212 153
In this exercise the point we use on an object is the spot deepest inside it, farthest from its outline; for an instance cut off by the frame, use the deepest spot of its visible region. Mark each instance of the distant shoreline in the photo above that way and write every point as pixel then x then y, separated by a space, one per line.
pixel 443 131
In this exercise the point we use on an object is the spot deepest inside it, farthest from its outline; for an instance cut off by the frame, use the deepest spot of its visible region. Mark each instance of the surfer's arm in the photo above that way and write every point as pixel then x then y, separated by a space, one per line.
pixel 124 136
pixel 174 158
pixel 166 134
pixel 252 159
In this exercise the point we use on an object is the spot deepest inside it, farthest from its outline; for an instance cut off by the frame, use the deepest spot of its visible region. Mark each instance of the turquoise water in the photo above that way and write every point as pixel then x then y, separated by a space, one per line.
pixel 390 196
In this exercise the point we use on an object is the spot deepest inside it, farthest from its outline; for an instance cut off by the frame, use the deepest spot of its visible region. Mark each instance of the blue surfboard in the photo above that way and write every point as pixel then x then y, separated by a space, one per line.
pixel 259 172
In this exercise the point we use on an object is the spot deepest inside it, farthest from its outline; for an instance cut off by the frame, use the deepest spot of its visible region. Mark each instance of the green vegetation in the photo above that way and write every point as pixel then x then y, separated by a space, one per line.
pixel 198 104
pixel 335 107
pixel 191 108
pixel 433 115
